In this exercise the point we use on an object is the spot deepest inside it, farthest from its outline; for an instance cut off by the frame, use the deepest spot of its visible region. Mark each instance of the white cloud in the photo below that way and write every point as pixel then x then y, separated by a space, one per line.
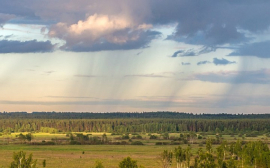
pixel 97 28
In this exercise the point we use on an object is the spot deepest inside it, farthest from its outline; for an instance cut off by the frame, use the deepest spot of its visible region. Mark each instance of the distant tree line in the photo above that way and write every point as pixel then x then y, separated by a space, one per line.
pixel 118 115
pixel 126 125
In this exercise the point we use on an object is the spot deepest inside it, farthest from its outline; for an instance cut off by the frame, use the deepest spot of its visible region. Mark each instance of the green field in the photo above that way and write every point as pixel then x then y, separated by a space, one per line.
pixel 71 155
pixel 85 155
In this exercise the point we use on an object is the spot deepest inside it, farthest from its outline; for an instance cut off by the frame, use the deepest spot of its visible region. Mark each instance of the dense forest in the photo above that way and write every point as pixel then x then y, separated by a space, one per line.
pixel 117 115
pixel 156 122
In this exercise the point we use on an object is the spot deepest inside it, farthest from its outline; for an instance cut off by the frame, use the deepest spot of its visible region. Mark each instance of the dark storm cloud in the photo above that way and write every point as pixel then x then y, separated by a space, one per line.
pixel 144 38
pixel 25 46
pixel 4 18
pixel 222 61
pixel 207 23
pixel 260 49
pixel 16 8
pixel 212 22
pixel 235 77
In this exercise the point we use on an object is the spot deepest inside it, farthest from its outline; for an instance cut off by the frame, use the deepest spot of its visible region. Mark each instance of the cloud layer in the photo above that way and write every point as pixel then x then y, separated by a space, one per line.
pixel 234 77
pixel 99 32
pixel 89 25
pixel 222 61
pixel 259 49
pixel 25 47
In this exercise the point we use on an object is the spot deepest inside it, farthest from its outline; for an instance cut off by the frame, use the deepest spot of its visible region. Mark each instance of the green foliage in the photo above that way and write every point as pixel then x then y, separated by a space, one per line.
pixel 125 137
pixel 128 163
pixel 182 156
pixel 120 123
pixel 166 158
pixel 104 138
pixel 137 137
pixel 28 137
pixel 136 143
pixel 162 143
pixel 204 160
pixel 166 135
pixel 44 163
pixel 48 130
pixel 221 154
pixel 209 145
pixel 98 164
pixel 231 163
pixel 74 142
pixel 20 161
pixel 252 134
pixel 153 137
pixel 21 137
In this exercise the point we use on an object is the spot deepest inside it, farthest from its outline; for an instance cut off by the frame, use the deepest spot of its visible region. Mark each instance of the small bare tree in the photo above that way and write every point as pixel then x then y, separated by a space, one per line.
pixel 166 159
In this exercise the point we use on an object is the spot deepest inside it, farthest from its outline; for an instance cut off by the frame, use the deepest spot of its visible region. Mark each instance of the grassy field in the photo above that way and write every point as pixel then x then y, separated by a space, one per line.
pixel 84 156
pixel 73 157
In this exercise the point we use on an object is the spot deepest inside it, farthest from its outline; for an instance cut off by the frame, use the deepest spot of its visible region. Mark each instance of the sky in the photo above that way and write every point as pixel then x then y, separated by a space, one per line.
pixel 135 55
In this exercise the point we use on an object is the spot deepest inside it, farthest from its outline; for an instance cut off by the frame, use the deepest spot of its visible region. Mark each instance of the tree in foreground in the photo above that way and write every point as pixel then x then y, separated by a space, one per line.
pixel 128 163
pixel 166 158
pixel 44 163
pixel 20 161
pixel 182 157
pixel 98 164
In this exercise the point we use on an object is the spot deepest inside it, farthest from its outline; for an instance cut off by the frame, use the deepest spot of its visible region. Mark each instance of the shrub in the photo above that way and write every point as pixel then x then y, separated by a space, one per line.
pixel 136 137
pixel 137 143
pixel 153 137
pixel 44 163
pixel 124 143
pixel 98 164
pixel 252 134
pixel 49 143
pixel 125 137
pixel 128 163
pixel 162 143
pixel 175 143
pixel 72 142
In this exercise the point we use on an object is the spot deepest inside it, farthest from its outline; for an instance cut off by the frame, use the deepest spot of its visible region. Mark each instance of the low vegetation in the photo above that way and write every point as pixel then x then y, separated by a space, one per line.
pixel 232 142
